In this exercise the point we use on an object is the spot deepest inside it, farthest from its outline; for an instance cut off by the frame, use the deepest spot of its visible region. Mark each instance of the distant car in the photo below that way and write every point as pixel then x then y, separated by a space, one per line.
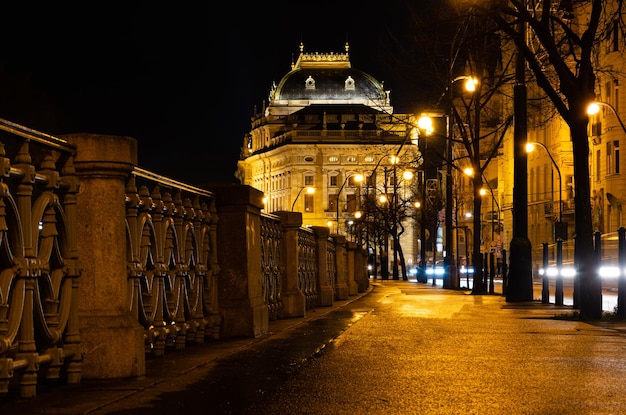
pixel 466 270
pixel 438 270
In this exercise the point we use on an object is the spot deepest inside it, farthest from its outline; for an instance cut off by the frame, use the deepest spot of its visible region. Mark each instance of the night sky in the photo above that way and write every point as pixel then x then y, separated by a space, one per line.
pixel 181 78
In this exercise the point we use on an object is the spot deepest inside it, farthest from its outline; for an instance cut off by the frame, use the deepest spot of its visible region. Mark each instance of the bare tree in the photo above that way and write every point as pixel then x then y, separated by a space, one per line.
pixel 559 44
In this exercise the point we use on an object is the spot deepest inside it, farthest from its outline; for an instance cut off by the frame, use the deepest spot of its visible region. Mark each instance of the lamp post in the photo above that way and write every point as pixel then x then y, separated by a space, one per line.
pixel 558 231
pixel 357 178
pixel 450 279
pixel 493 244
pixel 310 190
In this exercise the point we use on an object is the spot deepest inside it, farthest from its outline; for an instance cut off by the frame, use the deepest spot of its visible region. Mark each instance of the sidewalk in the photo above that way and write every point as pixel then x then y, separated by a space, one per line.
pixel 90 397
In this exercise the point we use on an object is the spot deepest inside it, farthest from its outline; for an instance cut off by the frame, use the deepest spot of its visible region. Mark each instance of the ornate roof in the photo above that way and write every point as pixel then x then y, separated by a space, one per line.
pixel 327 78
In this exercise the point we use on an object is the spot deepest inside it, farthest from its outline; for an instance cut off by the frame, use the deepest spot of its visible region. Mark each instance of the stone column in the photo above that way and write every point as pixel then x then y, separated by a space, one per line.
pixel 240 283
pixel 294 301
pixel 353 289
pixel 342 291
pixel 112 340
pixel 324 279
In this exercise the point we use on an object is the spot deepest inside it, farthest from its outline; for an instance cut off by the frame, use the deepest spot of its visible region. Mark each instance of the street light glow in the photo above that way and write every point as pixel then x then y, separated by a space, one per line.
pixel 471 83
pixel 425 123
pixel 593 108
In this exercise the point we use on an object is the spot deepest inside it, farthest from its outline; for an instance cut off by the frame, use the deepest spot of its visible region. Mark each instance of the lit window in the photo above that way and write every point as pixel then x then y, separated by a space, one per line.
pixel 612 157
pixel 308 203
pixel 333 159
pixel 349 83
pixel 309 83
pixel 332 202
pixel 352 204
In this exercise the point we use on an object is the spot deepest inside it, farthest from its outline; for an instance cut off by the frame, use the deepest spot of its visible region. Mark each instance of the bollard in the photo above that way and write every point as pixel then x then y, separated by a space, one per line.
pixel 492 272
pixel 558 293
pixel 505 280
pixel 621 282
pixel 545 290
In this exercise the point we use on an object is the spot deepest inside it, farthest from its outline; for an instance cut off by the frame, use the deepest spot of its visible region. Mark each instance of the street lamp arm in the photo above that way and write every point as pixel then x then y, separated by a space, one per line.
pixel 558 172
pixel 592 110
pixel 491 191
pixel 339 194
pixel 297 196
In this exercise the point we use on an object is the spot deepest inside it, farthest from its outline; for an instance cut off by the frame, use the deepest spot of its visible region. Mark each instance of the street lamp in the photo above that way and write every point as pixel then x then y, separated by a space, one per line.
pixel 426 125
pixel 559 229
pixel 310 190
pixel 594 108
pixel 358 178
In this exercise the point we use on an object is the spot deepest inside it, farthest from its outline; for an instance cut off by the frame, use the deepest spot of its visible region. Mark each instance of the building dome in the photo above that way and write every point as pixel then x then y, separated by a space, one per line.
pixel 327 78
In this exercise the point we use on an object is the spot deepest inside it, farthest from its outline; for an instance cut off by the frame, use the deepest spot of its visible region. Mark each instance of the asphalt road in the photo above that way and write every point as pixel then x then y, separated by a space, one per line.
pixel 401 348
pixel 409 348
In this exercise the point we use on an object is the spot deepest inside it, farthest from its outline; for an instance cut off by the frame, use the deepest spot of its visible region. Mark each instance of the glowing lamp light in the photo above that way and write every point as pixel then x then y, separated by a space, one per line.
pixel 425 124
pixel 593 108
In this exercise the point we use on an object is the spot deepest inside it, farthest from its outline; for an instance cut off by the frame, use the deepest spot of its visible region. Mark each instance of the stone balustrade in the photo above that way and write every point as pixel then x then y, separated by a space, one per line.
pixel 103 263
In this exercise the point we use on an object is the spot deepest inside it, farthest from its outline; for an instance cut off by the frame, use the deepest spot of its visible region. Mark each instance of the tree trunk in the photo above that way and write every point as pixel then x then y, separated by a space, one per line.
pixel 588 286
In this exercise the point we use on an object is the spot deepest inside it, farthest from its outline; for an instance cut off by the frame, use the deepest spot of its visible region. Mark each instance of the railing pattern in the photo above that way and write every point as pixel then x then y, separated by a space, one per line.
pixel 172 261
pixel 307 270
pixel 39 267
pixel 331 261
pixel 169 285
pixel 271 265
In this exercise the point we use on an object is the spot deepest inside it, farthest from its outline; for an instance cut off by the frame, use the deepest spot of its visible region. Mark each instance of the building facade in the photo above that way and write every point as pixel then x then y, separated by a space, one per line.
pixel 331 127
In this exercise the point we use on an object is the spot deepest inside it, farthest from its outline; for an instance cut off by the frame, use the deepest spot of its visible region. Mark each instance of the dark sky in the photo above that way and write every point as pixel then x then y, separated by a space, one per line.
pixel 181 78
pixel 263 41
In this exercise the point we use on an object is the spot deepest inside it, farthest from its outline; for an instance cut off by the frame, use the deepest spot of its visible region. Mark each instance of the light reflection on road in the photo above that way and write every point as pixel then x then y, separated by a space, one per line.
pixel 609 291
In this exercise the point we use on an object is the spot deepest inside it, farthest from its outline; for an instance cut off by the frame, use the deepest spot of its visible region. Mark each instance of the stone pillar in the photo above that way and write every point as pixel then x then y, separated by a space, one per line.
pixel 112 340
pixel 240 283
pixel 324 280
pixel 353 289
pixel 342 291
pixel 294 301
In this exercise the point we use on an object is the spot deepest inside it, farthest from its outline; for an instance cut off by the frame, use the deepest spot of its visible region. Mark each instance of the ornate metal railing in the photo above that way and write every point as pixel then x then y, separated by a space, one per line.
pixel 271 265
pixel 307 269
pixel 148 246
pixel 39 268
pixel 331 260
pixel 172 261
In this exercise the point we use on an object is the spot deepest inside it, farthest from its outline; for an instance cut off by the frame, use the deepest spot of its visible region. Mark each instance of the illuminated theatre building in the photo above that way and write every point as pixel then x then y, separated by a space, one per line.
pixel 329 129
pixel 326 124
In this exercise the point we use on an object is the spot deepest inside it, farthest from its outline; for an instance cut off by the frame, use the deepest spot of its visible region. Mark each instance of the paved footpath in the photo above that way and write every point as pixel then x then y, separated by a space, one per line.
pixel 407 348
